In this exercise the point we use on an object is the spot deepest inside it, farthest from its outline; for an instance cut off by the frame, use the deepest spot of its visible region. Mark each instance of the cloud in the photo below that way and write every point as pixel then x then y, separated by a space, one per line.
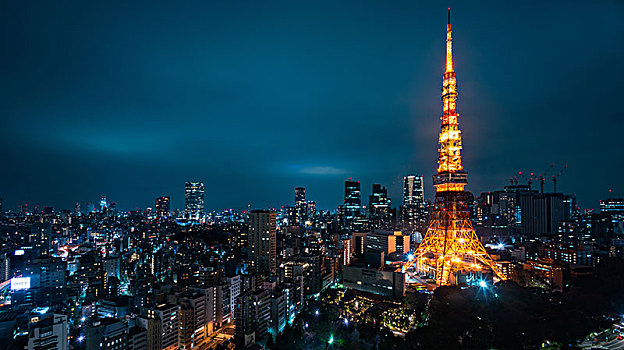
pixel 320 170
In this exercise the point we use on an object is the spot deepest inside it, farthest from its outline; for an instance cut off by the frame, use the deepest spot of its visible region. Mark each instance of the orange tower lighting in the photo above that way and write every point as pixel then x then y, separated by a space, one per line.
pixel 451 246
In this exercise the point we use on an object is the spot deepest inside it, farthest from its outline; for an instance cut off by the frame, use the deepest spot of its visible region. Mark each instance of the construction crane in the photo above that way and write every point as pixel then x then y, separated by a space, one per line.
pixel 555 176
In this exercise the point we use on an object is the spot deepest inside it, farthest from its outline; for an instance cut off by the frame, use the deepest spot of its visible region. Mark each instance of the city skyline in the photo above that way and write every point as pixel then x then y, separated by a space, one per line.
pixel 299 95
pixel 354 254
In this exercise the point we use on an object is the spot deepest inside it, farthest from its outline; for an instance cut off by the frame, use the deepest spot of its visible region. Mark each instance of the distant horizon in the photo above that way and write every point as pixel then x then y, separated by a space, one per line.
pixel 364 197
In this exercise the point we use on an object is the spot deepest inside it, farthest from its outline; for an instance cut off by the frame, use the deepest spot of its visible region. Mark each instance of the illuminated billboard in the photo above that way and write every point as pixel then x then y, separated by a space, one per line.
pixel 18 283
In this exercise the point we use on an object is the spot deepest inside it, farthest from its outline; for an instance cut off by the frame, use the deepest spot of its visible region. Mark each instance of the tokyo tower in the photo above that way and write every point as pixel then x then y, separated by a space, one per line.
pixel 451 249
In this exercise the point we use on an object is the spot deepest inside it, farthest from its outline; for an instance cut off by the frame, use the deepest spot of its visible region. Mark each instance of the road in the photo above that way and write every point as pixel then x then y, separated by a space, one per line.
pixel 615 344
pixel 219 337
pixel 612 344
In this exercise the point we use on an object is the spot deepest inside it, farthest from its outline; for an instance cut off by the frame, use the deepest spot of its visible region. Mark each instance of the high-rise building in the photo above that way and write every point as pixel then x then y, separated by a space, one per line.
pixel 103 203
pixel 301 210
pixel 163 206
pixel 542 213
pixel 194 201
pixel 379 206
pixel 262 241
pixel 312 210
pixel 413 211
pixel 352 202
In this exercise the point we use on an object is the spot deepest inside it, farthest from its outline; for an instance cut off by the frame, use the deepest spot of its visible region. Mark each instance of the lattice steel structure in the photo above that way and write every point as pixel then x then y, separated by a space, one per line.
pixel 450 245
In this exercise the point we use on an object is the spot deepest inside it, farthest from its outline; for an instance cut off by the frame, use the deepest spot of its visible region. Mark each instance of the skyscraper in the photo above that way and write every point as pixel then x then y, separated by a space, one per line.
pixel 162 206
pixel 103 203
pixel 311 209
pixel 352 202
pixel 413 210
pixel 194 200
pixel 379 206
pixel 301 210
pixel 262 241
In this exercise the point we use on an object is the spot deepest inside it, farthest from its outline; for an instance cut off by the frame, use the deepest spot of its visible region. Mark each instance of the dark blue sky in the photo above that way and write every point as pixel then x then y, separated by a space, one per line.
pixel 131 99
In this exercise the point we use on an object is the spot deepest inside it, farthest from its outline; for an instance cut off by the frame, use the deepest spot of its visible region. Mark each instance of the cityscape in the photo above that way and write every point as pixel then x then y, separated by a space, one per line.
pixel 417 262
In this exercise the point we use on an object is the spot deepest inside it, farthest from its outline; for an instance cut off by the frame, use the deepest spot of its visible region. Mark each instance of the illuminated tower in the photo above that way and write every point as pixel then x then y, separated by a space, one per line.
pixel 451 249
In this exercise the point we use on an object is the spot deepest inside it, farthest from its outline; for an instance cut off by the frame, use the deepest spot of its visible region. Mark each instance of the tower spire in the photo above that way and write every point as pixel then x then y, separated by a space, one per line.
pixel 449 44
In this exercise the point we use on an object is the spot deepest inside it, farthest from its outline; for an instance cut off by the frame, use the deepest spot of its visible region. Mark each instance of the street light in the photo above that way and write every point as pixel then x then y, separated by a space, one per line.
pixel 316 313
pixel 482 284
pixel 346 321
pixel 331 339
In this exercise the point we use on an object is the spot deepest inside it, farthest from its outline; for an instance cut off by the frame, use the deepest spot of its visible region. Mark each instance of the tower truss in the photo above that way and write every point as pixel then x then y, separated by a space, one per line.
pixel 451 246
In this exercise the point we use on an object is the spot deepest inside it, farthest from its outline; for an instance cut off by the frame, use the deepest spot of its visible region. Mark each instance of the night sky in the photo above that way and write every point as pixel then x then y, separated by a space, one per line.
pixel 131 99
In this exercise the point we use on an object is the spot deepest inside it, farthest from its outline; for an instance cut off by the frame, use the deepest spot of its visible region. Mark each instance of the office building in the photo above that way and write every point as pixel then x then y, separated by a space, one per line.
pixel 47 280
pixel 312 210
pixel 379 206
pixel 163 206
pixel 48 332
pixel 383 282
pixel 413 211
pixel 194 201
pixel 301 210
pixel 106 334
pixel 542 213
pixel 352 202
pixel 388 242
